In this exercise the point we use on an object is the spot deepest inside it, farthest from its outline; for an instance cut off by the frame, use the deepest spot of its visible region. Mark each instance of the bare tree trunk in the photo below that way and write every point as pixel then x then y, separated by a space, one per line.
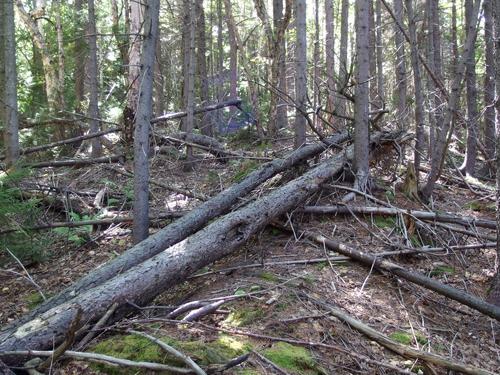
pixel 343 62
pixel 9 89
pixel 281 110
pixel 379 55
pixel 373 59
pixel 435 26
pixel 142 123
pixel 93 81
pixel 446 129
pixel 206 126
pixel 159 81
pixel 134 64
pixel 330 56
pixel 220 57
pixel 494 294
pixel 470 81
pixel 122 40
pixel 300 73
pixel 401 90
pixel 53 85
pixel 361 114
pixel 316 61
pixel 417 81
pixel 189 76
pixel 489 80
pixel 80 56
pixel 252 86
pixel 233 65
pixel 430 84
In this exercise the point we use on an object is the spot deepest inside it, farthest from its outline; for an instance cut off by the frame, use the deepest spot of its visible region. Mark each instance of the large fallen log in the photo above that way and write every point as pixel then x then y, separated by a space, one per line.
pixel 183 227
pixel 466 221
pixel 140 284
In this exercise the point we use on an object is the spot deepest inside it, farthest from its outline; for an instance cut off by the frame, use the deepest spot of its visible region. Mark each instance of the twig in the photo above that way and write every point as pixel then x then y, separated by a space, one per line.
pixel 202 311
pixel 28 276
pixel 271 363
pixel 91 334
pixel 100 358
pixel 177 354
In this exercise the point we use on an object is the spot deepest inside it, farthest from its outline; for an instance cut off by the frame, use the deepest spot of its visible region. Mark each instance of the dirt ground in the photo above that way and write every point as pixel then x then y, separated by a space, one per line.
pixel 278 290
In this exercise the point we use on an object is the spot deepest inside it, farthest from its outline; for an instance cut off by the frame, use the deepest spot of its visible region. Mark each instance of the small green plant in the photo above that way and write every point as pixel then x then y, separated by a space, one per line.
pixel 245 169
pixel 78 235
pixel 406 338
pixel 442 270
pixel 244 317
pixel 19 213
pixel 384 222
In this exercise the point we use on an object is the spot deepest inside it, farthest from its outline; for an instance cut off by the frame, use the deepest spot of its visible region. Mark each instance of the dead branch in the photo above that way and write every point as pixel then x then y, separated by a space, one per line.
pixel 385 211
pixel 372 260
pixel 98 358
pixel 97 222
pixel 396 347
pixel 89 336
pixel 174 352
pixel 172 116
pixel 202 311
pixel 78 162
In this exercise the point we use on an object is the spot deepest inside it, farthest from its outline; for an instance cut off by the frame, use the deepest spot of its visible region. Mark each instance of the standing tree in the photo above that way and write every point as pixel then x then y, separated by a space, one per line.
pixel 330 55
pixel 417 82
pixel 471 97
pixel 93 81
pixel 189 75
pixel 489 80
pixel 400 64
pixel 361 105
pixel 134 64
pixel 300 73
pixel 9 89
pixel 343 62
pixel 142 122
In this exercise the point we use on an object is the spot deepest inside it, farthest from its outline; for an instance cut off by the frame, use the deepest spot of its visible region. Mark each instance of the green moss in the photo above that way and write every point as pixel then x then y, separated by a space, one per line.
pixel 384 222
pixel 137 348
pixel 241 318
pixel 442 270
pixel 268 276
pixel 406 338
pixel 245 168
pixel 293 358
pixel 33 300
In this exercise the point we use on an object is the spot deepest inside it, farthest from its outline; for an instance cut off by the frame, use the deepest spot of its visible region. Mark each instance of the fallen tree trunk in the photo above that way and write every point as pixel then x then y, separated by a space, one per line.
pixel 183 227
pixel 140 284
pixel 386 211
pixel 77 162
pixel 176 115
pixel 96 222
pixel 204 142
pixel 371 260
pixel 31 150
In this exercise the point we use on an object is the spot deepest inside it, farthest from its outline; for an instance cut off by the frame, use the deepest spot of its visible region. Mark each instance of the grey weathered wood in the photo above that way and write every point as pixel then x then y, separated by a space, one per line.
pixel 77 162
pixel 177 115
pixel 184 226
pixel 142 124
pixel 142 283
pixel 387 211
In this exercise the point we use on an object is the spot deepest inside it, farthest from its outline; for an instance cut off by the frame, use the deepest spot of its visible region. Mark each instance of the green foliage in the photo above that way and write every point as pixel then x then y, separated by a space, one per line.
pixel 293 358
pixel 78 235
pixel 268 276
pixel 406 338
pixel 245 168
pixel 138 348
pixel 441 270
pixel 384 222
pixel 17 212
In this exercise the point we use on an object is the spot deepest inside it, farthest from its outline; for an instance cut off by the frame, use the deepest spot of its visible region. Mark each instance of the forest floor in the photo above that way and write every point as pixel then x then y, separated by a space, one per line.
pixel 274 298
